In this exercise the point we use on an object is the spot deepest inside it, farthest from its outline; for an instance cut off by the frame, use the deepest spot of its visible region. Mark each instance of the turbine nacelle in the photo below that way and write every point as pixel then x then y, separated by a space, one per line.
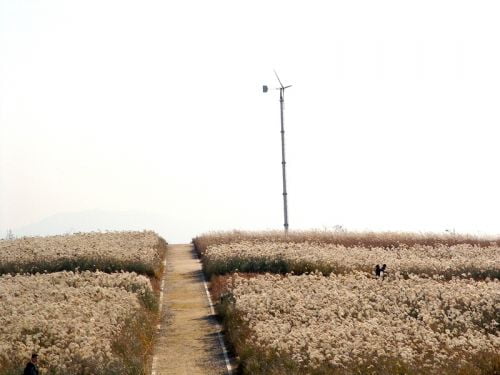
pixel 265 88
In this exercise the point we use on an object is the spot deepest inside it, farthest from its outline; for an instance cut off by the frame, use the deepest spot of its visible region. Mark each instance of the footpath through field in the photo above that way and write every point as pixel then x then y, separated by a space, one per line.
pixel 188 341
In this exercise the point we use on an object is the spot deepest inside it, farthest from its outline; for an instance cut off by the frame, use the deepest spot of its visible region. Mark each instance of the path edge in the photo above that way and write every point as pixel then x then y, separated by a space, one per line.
pixel 229 367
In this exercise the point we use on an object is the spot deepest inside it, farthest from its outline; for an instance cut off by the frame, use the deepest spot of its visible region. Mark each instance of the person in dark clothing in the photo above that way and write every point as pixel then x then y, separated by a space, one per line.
pixel 377 271
pixel 383 271
pixel 31 367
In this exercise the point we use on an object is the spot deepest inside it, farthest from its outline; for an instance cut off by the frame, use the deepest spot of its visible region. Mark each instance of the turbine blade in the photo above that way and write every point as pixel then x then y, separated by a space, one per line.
pixel 278 79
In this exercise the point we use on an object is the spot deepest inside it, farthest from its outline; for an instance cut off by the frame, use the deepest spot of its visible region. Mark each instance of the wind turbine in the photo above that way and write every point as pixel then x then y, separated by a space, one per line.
pixel 283 162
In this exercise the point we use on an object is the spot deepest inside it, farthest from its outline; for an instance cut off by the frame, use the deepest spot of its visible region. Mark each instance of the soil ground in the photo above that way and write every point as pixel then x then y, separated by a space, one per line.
pixel 187 340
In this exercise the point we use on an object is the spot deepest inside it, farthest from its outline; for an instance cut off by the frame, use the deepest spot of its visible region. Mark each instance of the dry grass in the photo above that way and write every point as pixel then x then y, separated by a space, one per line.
pixel 138 252
pixel 135 343
pixel 279 257
pixel 132 346
pixel 220 285
pixel 257 360
pixel 89 323
pixel 366 239
pixel 246 336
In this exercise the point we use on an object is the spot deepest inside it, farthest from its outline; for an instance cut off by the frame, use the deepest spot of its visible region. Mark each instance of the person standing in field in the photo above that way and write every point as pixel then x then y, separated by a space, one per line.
pixel 382 271
pixel 377 271
pixel 31 366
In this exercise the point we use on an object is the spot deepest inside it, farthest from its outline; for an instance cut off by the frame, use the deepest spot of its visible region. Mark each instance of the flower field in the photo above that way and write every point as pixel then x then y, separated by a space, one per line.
pixel 282 257
pixel 72 320
pixel 350 324
pixel 73 300
pixel 341 237
pixel 309 303
pixel 110 251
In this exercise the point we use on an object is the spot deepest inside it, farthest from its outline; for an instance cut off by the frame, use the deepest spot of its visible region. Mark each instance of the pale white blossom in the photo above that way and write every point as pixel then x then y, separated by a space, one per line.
pixel 462 260
pixel 349 319
pixel 132 251
pixel 66 316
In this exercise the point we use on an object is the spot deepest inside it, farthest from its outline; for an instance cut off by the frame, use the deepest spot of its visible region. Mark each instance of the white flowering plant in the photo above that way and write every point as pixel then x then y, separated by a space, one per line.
pixel 311 303
pixel 354 324
pixel 75 321
pixel 468 260
pixel 73 300
pixel 139 252
pixel 342 237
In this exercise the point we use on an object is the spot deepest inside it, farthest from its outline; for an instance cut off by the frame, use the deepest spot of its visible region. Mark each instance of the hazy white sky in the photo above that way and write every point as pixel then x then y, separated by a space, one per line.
pixel 391 124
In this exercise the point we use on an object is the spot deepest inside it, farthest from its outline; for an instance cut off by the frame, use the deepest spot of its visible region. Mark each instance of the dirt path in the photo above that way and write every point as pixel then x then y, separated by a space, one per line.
pixel 188 335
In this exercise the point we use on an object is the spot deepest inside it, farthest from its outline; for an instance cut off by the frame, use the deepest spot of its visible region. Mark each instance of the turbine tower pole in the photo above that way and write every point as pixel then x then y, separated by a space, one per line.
pixel 283 162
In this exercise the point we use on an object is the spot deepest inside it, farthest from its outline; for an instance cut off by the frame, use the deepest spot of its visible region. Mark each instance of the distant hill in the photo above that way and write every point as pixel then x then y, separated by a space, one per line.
pixel 94 220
